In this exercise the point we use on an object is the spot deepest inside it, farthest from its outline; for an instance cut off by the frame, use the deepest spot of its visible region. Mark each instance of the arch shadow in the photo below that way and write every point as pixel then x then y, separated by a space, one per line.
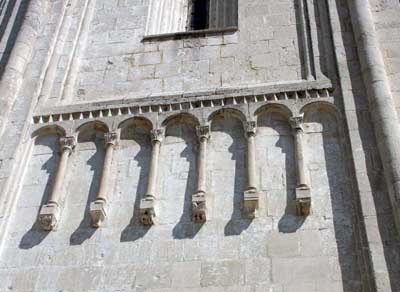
pixel 183 127
pixel 35 235
pixel 139 132
pixel 277 120
pixel 230 122
pixel 94 133
pixel 342 211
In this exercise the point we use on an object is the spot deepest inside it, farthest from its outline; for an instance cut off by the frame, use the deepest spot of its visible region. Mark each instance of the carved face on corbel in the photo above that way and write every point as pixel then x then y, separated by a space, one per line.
pixel 251 128
pixel 67 143
pixel 110 138
pixel 203 132
pixel 156 135
pixel 297 123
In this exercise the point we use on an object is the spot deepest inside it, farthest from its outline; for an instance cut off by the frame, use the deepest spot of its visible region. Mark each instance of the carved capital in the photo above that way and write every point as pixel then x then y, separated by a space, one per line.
pixel 203 132
pixel 156 135
pixel 110 138
pixel 67 143
pixel 297 123
pixel 251 128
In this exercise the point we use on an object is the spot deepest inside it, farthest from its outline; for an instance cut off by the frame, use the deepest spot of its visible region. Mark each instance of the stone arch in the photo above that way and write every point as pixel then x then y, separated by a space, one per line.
pixel 142 121
pixel 228 112
pixel 279 108
pixel 49 130
pixel 183 117
pixel 321 117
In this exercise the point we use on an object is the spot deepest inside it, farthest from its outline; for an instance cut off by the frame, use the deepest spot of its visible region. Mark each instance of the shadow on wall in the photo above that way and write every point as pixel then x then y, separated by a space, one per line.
pixel 278 124
pixel 96 161
pixel 36 235
pixel 231 124
pixel 184 130
pixel 387 230
pixel 325 129
pixel 139 132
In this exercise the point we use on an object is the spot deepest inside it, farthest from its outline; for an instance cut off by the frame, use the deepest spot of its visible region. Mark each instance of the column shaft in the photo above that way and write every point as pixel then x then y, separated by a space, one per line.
pixel 50 213
pixel 199 197
pixel 54 197
pixel 298 142
pixel 251 162
pixel 151 186
pixel 147 204
pixel 381 104
pixel 98 208
pixel 250 197
pixel 105 175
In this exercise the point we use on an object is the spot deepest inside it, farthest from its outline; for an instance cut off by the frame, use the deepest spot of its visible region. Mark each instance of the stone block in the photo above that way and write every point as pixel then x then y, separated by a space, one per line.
pixel 225 273
pixel 186 274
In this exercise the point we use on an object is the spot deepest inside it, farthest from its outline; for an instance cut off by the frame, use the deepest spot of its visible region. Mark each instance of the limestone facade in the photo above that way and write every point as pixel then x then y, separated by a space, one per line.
pixel 136 155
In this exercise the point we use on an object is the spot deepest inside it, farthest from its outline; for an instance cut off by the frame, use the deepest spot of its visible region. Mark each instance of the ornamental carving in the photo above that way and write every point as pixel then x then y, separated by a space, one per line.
pixel 156 135
pixel 251 128
pixel 110 138
pixel 203 132
pixel 67 143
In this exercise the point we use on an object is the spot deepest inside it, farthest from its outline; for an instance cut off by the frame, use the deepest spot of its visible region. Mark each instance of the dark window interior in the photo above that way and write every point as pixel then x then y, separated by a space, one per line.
pixel 199 14
pixel 213 14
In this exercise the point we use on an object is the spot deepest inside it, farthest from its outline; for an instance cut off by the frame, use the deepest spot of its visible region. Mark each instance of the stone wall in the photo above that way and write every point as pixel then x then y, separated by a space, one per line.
pixel 278 250
pixel 92 73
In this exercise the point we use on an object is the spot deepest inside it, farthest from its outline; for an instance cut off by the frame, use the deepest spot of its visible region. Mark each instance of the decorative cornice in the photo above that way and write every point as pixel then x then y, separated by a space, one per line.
pixel 219 98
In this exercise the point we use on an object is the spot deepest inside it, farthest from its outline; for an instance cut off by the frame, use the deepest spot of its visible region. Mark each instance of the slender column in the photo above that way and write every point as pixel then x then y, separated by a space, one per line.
pixel 381 103
pixel 199 197
pixel 98 211
pixel 251 197
pixel 147 204
pixel 50 213
pixel 303 194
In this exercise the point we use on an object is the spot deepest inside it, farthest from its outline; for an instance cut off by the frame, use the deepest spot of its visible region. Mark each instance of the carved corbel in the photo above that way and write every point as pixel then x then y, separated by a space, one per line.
pixel 303 192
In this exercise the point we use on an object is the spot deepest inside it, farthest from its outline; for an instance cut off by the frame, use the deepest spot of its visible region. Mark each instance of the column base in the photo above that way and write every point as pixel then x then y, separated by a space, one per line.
pixel 98 213
pixel 250 203
pixel 49 216
pixel 199 207
pixel 147 214
pixel 303 201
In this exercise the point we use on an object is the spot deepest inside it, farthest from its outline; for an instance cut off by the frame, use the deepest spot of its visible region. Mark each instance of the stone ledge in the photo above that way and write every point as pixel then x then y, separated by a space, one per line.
pixel 189 34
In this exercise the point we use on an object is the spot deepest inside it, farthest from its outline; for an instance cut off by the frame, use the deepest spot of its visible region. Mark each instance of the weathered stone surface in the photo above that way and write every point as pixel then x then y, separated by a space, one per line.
pixel 87 60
